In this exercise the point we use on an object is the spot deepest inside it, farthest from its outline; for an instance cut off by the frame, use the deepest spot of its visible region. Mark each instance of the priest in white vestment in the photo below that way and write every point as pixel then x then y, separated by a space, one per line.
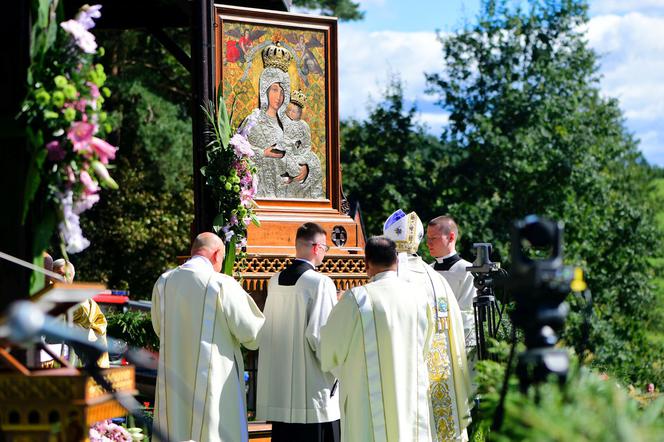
pixel 376 340
pixel 442 235
pixel 294 393
pixel 448 367
pixel 202 317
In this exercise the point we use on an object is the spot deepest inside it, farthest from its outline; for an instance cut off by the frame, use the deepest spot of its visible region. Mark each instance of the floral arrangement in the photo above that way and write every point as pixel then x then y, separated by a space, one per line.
pixel 108 431
pixel 230 176
pixel 66 125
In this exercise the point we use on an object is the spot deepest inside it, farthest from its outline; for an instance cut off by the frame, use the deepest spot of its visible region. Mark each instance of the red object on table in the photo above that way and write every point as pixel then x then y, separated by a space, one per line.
pixel 110 299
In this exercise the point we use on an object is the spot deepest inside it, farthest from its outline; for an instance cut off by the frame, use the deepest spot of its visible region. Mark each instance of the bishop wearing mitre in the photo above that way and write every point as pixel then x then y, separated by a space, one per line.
pixel 448 368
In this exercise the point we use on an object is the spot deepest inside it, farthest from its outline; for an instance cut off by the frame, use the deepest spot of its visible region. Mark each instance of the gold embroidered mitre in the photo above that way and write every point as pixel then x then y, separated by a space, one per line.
pixel 298 97
pixel 405 230
pixel 276 56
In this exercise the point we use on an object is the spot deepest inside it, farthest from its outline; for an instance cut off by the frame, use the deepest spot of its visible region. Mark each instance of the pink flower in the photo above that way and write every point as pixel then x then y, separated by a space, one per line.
pixel 103 149
pixel 71 176
pixel 80 135
pixel 246 179
pixel 55 151
pixel 90 186
pixel 84 39
pixel 246 197
pixel 241 146
pixel 80 105
pixel 86 14
pixel 94 90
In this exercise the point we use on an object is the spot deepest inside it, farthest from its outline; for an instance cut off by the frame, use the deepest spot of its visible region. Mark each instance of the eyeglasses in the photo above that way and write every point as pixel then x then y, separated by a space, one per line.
pixel 324 246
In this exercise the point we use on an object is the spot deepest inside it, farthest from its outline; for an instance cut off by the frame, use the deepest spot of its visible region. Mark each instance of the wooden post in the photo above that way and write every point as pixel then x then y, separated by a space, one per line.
pixel 15 239
pixel 202 57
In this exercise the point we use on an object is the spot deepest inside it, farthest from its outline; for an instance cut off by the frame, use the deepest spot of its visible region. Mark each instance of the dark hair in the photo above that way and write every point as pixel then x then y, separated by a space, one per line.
pixel 309 231
pixel 381 251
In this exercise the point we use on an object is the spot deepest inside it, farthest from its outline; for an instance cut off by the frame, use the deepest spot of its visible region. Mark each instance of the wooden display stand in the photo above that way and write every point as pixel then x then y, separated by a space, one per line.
pixel 57 404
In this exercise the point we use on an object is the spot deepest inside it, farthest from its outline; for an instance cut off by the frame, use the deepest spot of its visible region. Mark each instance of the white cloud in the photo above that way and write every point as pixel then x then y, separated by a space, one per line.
pixel 434 121
pixel 367 59
pixel 631 48
pixel 598 7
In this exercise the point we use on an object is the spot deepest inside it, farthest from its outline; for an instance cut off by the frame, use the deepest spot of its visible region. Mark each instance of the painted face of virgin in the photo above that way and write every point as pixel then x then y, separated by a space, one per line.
pixel 275 96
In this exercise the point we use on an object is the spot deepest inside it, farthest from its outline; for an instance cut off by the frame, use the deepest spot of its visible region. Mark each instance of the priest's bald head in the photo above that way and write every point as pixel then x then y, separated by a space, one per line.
pixel 380 255
pixel 210 246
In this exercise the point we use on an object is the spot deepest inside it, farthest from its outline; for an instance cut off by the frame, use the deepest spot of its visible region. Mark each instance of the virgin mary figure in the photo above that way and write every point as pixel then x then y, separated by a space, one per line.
pixel 264 127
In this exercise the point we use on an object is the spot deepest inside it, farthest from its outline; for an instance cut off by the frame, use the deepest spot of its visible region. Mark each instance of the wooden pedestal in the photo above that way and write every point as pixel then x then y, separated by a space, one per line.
pixel 58 404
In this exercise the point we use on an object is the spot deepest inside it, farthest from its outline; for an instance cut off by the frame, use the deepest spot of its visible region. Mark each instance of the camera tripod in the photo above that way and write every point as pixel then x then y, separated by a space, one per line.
pixel 485 308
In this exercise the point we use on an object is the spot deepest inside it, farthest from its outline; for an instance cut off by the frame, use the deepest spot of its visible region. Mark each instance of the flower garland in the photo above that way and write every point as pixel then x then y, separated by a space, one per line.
pixel 66 123
pixel 230 175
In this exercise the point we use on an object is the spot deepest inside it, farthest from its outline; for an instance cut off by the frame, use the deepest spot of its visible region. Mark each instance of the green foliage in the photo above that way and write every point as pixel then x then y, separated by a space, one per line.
pixel 531 133
pixel 389 162
pixel 588 408
pixel 343 9
pixel 139 233
pixel 656 335
pixel 135 328
pixel 229 174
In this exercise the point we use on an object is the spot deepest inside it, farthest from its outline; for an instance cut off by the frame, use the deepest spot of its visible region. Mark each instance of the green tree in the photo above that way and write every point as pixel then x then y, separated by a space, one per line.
pixel 530 132
pixel 389 161
pixel 139 231
pixel 344 9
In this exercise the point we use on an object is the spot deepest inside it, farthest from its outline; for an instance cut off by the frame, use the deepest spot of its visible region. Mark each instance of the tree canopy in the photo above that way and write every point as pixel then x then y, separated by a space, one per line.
pixel 530 132
pixel 344 9
pixel 388 161
pixel 139 231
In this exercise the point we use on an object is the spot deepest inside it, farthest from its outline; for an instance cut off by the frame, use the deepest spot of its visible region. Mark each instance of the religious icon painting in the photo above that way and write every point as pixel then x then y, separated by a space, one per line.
pixel 277 72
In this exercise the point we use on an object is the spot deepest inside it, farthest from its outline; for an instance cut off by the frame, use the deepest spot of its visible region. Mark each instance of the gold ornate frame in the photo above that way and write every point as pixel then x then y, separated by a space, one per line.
pixel 227 16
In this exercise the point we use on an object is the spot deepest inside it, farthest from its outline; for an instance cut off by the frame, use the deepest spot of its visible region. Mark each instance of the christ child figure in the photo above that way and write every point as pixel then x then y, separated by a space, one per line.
pixel 296 141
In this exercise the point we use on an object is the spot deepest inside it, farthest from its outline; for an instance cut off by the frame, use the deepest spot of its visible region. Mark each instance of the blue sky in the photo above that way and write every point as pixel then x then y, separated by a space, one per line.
pixel 397 37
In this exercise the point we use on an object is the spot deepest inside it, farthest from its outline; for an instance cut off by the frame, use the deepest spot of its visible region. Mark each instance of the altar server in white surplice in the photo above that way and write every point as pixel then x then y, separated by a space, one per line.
pixel 376 340
pixel 202 317
pixel 442 235
pixel 448 367
pixel 294 393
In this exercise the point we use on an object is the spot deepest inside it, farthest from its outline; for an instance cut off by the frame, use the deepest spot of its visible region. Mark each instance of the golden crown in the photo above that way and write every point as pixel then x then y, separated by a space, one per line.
pixel 298 97
pixel 275 56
